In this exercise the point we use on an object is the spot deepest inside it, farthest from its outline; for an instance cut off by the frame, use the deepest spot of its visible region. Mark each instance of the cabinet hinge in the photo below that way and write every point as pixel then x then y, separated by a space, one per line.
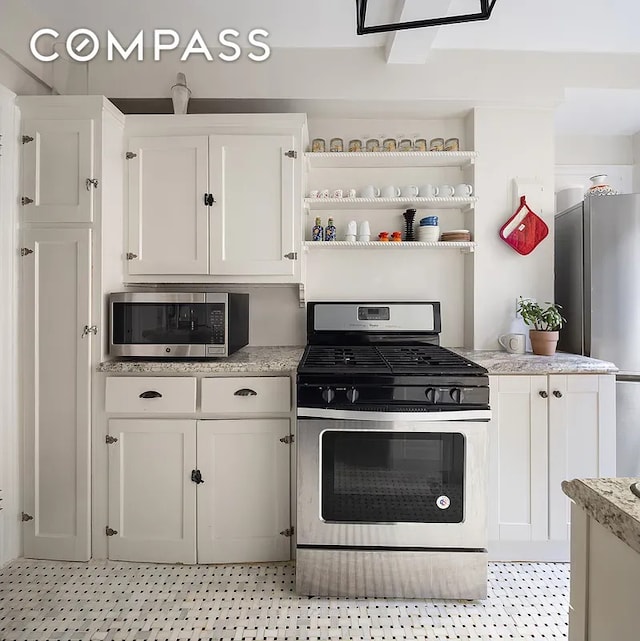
pixel 89 329
pixel 291 154
pixel 110 440
pixel 110 532
pixel 131 256
pixel 288 532
pixel 26 517
pixel 25 251
pixel 25 200
pixel 26 139
pixel 288 439
pixel 291 256
pixel 129 155
pixel 91 182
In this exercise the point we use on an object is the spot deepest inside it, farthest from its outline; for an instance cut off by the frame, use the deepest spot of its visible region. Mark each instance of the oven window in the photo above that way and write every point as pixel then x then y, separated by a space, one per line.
pixel 168 324
pixel 392 477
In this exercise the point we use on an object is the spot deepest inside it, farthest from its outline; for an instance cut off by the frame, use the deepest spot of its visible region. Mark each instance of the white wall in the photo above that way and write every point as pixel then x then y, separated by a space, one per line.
pixel 511 144
pixel 9 429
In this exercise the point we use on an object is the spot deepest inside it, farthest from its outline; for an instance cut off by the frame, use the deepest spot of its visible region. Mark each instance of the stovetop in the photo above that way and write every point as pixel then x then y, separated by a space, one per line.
pixel 422 360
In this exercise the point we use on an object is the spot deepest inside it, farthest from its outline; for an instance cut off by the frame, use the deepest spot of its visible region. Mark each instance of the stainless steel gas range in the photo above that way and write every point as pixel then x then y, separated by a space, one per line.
pixel 392 465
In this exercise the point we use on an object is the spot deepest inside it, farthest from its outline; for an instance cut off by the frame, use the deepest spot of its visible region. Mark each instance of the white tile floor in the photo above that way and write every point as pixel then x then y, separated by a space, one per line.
pixel 109 601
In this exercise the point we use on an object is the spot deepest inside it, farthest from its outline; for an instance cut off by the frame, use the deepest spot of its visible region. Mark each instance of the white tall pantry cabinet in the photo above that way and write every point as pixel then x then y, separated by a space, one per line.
pixel 71 252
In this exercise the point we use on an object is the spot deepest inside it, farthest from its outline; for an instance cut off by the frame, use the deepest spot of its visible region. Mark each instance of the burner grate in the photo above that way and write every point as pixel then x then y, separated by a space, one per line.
pixel 325 358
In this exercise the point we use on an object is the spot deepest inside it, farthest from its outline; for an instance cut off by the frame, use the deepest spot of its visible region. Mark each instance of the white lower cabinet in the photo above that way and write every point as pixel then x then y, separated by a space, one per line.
pixel 206 491
pixel 152 500
pixel 243 504
pixel 545 429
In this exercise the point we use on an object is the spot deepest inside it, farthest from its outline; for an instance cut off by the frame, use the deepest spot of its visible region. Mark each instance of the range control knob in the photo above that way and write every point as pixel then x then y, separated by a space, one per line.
pixel 432 394
pixel 328 394
pixel 352 395
pixel 457 395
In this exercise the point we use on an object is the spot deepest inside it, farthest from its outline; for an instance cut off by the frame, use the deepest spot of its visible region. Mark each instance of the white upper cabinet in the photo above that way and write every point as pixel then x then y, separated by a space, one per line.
pixel 57 163
pixel 168 213
pixel 252 224
pixel 215 197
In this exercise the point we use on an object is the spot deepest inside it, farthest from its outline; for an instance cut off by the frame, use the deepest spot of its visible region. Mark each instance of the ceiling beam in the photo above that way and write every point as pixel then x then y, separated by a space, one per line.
pixel 412 46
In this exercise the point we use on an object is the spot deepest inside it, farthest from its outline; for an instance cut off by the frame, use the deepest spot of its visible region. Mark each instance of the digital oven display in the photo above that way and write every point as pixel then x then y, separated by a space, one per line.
pixel 373 313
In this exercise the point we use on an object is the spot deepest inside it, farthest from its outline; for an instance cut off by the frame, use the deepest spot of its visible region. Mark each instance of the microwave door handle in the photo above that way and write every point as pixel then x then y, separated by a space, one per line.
pixel 151 394
pixel 245 391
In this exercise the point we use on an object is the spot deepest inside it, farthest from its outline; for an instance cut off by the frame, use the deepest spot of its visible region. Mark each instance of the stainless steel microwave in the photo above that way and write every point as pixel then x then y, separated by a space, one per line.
pixel 177 325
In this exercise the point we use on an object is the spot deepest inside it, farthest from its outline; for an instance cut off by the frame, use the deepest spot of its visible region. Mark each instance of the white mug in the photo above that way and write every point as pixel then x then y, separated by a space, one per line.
pixel 513 343
pixel 337 193
pixel 351 193
pixel 364 231
pixel 409 191
pixel 314 193
pixel 323 193
pixel 369 192
pixel 463 190
pixel 389 191
pixel 428 191
pixel 445 191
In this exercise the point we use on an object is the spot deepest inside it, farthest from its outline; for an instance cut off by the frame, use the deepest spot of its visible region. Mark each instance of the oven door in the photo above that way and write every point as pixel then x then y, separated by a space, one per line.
pixel 391 482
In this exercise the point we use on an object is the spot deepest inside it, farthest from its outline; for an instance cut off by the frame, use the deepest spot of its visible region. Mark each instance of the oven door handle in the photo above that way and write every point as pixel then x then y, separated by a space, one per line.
pixel 363 415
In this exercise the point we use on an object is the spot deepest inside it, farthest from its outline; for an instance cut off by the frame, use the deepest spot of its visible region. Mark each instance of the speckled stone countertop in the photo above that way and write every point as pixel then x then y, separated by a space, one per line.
pixel 247 359
pixel 499 362
pixel 611 503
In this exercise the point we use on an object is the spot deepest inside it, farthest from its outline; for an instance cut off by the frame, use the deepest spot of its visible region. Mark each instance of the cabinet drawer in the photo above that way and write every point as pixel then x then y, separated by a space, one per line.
pixel 153 394
pixel 255 395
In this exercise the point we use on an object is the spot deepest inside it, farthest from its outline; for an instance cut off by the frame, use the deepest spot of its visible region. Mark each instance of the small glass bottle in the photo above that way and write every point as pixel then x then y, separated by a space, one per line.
pixel 330 230
pixel 317 233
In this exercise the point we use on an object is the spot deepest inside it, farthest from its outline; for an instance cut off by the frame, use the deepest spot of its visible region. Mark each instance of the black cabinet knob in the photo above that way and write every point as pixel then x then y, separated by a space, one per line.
pixel 557 393
pixel 543 394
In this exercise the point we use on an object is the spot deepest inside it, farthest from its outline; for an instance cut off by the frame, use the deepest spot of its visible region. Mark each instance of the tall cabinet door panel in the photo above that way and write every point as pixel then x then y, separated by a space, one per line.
pixel 581 438
pixel 243 504
pixel 56 166
pixel 518 459
pixel 252 224
pixel 168 215
pixel 152 499
pixel 56 279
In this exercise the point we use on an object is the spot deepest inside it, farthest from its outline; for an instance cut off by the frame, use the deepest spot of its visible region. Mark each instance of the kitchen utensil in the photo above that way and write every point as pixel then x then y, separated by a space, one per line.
pixel 525 230
pixel 409 191
pixel 409 217
pixel 369 192
pixel 389 191
pixel 429 234
pixel 463 190
pixel 428 220
pixel 513 343
pixel 428 191
pixel 445 191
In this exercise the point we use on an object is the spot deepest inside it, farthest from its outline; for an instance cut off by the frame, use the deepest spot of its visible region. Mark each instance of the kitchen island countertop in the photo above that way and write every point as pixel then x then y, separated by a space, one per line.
pixel 611 503
pixel 499 362
pixel 248 359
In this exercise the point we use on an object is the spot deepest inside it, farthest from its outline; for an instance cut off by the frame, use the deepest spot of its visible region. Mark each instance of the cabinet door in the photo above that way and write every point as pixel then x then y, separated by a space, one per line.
pixel 56 165
pixel 152 500
pixel 55 293
pixel 168 216
pixel 581 438
pixel 243 504
pixel 518 459
pixel 252 223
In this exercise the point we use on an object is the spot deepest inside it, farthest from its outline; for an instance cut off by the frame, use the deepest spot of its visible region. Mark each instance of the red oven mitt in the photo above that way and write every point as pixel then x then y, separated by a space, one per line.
pixel 525 230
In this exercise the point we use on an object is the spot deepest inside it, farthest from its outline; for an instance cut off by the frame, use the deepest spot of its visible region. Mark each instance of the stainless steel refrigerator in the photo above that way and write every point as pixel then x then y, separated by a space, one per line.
pixel 597 282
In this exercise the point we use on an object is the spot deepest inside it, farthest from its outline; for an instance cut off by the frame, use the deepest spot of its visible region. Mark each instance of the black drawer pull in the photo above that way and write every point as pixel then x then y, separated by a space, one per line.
pixel 245 391
pixel 151 394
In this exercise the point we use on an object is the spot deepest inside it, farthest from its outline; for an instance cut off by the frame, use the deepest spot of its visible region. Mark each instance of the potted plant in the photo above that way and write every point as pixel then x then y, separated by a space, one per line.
pixel 545 323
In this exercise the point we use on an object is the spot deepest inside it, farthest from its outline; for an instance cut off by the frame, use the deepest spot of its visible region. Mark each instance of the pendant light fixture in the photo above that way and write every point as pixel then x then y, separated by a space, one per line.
pixel 469 11
pixel 180 95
